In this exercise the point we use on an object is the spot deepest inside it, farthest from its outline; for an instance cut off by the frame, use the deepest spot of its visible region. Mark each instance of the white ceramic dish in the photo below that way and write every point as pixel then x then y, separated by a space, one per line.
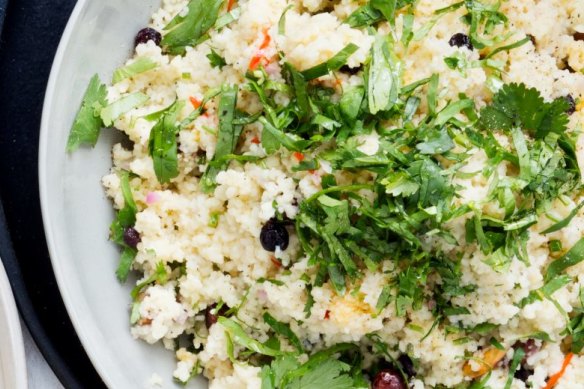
pixel 12 357
pixel 98 38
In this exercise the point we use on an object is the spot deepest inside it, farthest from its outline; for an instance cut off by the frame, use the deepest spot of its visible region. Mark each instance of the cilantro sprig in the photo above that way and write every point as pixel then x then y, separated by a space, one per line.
pixel 162 144
pixel 87 124
pixel 228 136
pixel 189 29
pixel 125 218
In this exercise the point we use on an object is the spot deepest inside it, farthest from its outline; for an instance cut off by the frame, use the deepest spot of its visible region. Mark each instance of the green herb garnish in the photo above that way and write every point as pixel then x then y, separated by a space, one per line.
pixel 87 124
pixel 162 144
pixel 384 76
pixel 227 138
pixel 141 65
pixel 110 113
pixel 187 30
pixel 125 218
pixel 216 60
pixel 335 63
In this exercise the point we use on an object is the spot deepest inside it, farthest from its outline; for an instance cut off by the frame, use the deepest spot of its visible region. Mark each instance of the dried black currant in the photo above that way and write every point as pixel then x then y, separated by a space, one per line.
pixel 148 34
pixel 131 237
pixel 211 314
pixel 274 234
pixel 523 374
pixel 461 40
pixel 407 365
pixel 571 103
pixel 388 379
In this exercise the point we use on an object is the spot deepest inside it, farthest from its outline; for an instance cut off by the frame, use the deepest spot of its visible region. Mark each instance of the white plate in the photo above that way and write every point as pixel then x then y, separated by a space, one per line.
pixel 98 38
pixel 12 360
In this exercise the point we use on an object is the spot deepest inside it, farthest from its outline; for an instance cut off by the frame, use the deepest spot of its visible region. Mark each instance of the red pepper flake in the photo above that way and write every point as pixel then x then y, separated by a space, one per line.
pixel 327 314
pixel 255 140
pixel 230 4
pixel 276 263
pixel 299 156
pixel 195 102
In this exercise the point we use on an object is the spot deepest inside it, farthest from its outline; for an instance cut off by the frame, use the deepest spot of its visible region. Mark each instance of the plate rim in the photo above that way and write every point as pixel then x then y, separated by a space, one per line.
pixel 13 337
pixel 43 186
pixel 97 339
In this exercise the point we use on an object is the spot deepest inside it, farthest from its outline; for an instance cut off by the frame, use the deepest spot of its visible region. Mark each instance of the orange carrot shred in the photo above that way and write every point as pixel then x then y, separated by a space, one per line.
pixel 255 61
pixel 259 57
pixel 556 377
pixel 299 156
pixel 230 5
pixel 267 39
pixel 195 102
pixel 255 140
pixel 276 263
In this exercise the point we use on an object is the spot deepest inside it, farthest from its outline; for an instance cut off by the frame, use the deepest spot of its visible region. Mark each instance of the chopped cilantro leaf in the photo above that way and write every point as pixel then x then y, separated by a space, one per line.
pixel 576 327
pixel 284 330
pixel 88 123
pixel 228 136
pixel 515 362
pixel 162 145
pixel 571 258
pixel 239 336
pixel 335 63
pixel 387 8
pixel 126 261
pixel 125 218
pixel 564 223
pixel 216 60
pixel 141 65
pixel 227 18
pixel 282 21
pixel 384 76
pixel 546 291
pixel 110 113
pixel 187 30
pixel 483 18
pixel 330 374
pixel 363 16
pixel 159 276
pixel 515 105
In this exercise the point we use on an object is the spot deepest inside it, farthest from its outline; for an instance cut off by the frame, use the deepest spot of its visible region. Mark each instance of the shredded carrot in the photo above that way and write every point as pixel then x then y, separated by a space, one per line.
pixel 299 156
pixel 230 5
pixel 556 377
pixel 267 38
pixel 255 140
pixel 195 102
pixel 259 57
pixel 255 61
pixel 276 263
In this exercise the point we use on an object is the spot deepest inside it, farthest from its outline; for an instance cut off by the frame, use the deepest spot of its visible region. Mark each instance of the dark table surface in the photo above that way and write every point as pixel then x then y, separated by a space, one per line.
pixel 30 35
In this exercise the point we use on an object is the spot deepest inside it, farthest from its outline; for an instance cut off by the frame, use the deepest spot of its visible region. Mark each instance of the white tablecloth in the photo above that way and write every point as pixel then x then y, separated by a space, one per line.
pixel 40 375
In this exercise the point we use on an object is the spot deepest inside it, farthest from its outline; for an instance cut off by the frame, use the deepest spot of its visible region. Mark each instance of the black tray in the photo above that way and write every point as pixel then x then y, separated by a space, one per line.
pixel 31 33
